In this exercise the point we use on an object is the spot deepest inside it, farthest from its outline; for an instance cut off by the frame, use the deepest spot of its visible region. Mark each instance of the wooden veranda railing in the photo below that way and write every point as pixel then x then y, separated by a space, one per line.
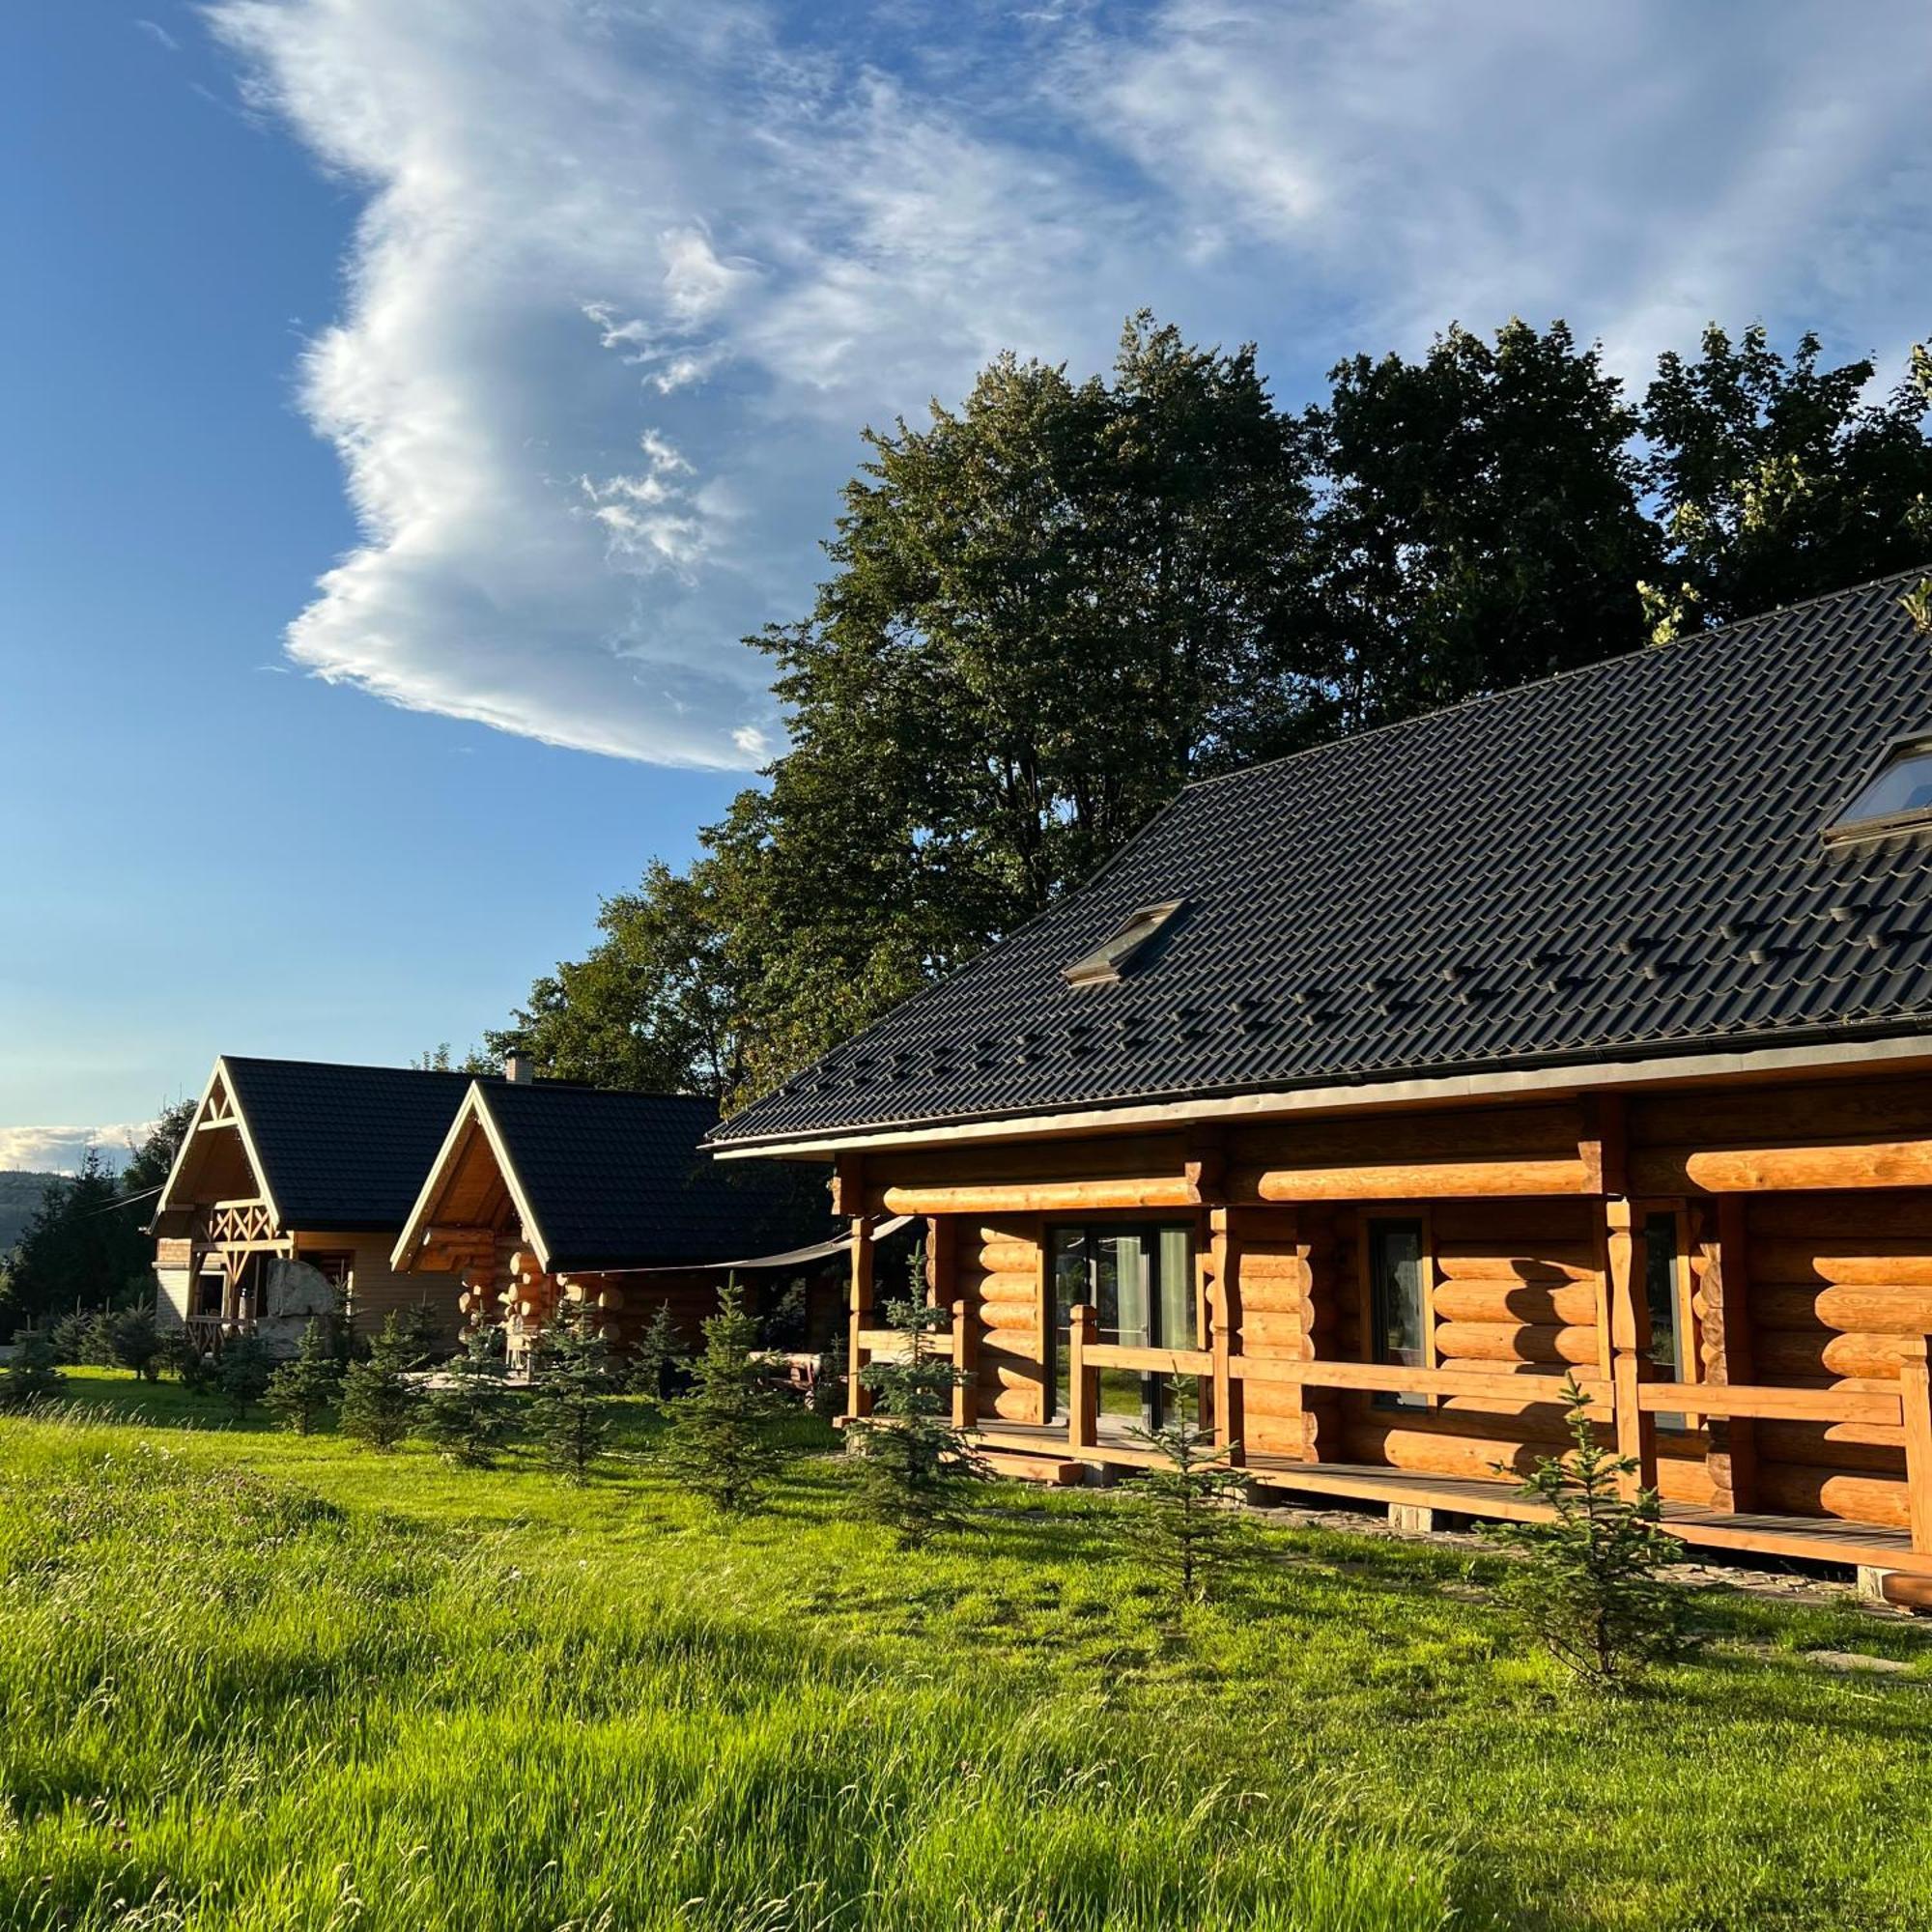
pixel 1907 1408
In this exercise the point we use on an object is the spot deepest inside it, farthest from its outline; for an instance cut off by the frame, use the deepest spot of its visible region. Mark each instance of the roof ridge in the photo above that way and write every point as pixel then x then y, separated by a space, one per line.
pixel 1554 677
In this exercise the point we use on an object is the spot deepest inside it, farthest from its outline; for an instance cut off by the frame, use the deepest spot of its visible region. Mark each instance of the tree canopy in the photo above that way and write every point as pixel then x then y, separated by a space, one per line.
pixel 1048 608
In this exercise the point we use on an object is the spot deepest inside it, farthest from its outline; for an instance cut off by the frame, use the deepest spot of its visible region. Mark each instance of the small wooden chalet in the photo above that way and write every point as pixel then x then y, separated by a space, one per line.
pixel 288 1192
pixel 546 1198
pixel 1582 1030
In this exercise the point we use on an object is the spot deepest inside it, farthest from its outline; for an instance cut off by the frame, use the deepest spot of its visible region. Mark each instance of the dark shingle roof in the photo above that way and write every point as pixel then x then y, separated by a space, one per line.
pixel 619 1179
pixel 1622 857
pixel 343 1147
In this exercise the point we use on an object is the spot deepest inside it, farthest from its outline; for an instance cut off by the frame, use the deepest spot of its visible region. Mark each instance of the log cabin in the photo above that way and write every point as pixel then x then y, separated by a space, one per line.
pixel 1583 1030
pixel 287 1194
pixel 548 1199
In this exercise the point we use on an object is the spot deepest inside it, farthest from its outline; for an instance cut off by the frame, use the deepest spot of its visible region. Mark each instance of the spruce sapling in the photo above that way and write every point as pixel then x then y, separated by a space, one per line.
pixel 569 1416
pixel 655 1356
pixel 1184 1523
pixel 303 1391
pixel 245 1368
pixel 378 1401
pixel 34 1374
pixel 716 1443
pixel 913 1467
pixel 1588 1588
pixel 468 1417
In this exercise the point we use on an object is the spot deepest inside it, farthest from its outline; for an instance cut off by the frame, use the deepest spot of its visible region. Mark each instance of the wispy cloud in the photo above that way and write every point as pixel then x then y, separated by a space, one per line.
pixel 61 1150
pixel 159 35
pixel 629 278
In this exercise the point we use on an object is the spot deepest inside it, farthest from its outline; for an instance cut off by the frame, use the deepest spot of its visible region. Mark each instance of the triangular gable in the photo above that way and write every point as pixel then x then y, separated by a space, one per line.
pixel 472 1183
pixel 217 1158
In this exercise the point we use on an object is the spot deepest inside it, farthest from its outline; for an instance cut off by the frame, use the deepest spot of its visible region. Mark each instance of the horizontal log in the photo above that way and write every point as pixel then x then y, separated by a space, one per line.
pixel 1009 1257
pixel 1778 1352
pixel 1006 1371
pixel 1805 1489
pixel 1508 1225
pixel 1010 1288
pixel 1755 1399
pixel 1409 1182
pixel 1035 1197
pixel 1877 1311
pixel 1685 1480
pixel 1267 1325
pixel 1410 1444
pixel 1002 1162
pixel 1843 1220
pixel 1874 1447
pixel 1151 1361
pixel 1513 1341
pixel 1274 1298
pixel 1013 1405
pixel 1451 1134
pixel 1874 1265
pixel 1558 1265
pixel 1753 1170
pixel 1571 1305
pixel 1009 1318
pixel 1863 1109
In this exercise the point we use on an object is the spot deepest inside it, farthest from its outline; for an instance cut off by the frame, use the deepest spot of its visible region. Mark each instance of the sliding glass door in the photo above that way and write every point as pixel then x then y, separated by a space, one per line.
pixel 1141 1281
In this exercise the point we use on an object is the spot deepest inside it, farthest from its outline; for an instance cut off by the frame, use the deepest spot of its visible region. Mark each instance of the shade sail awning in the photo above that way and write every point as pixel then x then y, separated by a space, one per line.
pixel 818 1250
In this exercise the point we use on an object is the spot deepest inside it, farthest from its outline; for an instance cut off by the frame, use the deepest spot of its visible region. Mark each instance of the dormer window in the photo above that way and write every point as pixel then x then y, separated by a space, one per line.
pixel 1106 963
pixel 1896 797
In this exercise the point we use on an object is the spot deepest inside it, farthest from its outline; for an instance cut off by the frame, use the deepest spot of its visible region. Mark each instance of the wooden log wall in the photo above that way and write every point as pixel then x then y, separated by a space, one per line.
pixel 997 1267
pixel 1277 1255
pixel 1838 1282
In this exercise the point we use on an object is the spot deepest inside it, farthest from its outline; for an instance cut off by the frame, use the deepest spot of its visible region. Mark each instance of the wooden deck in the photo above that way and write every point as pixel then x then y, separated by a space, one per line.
pixel 1809 1539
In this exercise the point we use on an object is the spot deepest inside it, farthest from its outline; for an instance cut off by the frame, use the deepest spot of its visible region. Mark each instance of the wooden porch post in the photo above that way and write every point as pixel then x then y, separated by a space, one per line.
pixel 859 1397
pixel 1914 1389
pixel 1224 1315
pixel 1630 1348
pixel 1083 1388
pixel 966 1365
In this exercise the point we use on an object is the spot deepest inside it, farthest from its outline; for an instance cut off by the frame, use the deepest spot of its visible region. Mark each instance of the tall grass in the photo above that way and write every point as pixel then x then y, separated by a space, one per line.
pixel 249 1681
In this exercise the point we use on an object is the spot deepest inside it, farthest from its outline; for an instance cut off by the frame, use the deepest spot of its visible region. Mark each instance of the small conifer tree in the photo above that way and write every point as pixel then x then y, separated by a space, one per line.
pixel 378 1401
pixel 1588 1588
pixel 468 1417
pixel 656 1355
pixel 130 1339
pixel 570 1417
pixel 245 1368
pixel 303 1391
pixel 197 1368
pixel 1186 1524
pixel 913 1467
pixel 717 1442
pixel 828 1386
pixel 33 1376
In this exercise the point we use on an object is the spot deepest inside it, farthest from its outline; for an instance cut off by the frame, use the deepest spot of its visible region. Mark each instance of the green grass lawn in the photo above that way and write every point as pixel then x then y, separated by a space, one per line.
pixel 251 1681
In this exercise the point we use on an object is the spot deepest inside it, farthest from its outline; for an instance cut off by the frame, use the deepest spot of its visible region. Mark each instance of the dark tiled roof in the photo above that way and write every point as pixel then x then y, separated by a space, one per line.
pixel 1623 857
pixel 343 1147
pixel 619 1179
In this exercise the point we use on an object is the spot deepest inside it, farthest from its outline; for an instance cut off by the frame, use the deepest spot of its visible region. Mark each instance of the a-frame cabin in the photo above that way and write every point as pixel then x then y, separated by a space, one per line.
pixel 550 1199
pixel 287 1194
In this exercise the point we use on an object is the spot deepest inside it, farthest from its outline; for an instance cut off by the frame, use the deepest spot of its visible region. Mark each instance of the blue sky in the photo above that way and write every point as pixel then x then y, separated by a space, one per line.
pixel 411 404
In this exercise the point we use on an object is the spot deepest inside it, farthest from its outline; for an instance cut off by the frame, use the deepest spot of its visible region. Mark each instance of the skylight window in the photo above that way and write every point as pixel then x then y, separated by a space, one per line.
pixel 1897 797
pixel 1109 960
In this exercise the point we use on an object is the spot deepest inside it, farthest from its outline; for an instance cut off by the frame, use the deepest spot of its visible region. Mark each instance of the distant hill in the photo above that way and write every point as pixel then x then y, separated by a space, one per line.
pixel 20 1191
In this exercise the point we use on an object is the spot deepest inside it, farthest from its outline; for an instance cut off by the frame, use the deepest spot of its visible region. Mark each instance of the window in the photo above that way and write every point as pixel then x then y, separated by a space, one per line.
pixel 1663 1292
pixel 1399 1300
pixel 1141 1282
pixel 1109 960
pixel 1895 798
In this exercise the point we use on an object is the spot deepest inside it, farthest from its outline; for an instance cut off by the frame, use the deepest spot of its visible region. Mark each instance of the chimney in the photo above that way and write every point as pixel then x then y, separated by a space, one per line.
pixel 517 1069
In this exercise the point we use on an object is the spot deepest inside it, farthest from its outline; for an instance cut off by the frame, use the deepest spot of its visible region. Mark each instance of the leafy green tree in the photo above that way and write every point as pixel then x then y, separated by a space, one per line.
pixel 379 1403
pixel 570 1390
pixel 303 1391
pixel 914 1469
pixel 1588 1588
pixel 716 1441
pixel 1185 1521
pixel 1778 479
pixel 32 1374
pixel 246 1367
pixel 152 1159
pixel 82 1247
pixel 466 1416
pixel 1483 524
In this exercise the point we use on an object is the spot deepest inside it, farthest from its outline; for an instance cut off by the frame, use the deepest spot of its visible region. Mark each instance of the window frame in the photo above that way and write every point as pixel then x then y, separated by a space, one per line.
pixel 1117 1222
pixel 1417 1213
pixel 1842 829
pixel 1684 1300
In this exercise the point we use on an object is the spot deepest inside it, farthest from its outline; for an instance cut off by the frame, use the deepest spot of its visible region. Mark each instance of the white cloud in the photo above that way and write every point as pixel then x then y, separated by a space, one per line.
pixel 628 279
pixel 159 35
pixel 60 1149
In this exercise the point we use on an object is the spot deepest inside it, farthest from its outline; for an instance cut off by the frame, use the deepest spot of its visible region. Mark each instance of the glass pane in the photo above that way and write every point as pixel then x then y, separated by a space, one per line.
pixel 1904 785
pixel 1667 1308
pixel 1069 1285
pixel 1121 1278
pixel 1178 1326
pixel 1396 1301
